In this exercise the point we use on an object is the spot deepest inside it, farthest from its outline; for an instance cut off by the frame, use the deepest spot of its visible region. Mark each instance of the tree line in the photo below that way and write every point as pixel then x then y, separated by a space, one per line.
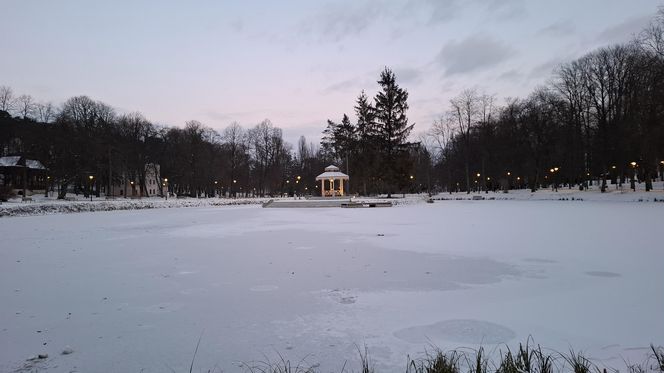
pixel 599 119
pixel 85 138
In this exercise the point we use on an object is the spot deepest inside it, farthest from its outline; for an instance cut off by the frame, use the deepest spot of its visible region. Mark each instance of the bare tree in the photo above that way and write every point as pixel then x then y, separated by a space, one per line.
pixel 45 112
pixel 441 133
pixel 234 142
pixel 464 111
pixel 25 106
pixel 6 98
pixel 652 38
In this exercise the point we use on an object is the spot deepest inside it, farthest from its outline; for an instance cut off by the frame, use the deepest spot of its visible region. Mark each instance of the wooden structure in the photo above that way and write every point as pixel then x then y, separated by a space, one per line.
pixel 334 180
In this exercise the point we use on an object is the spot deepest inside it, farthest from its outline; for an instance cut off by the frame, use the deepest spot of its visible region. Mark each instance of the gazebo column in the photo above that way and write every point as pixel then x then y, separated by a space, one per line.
pixel 334 192
pixel 322 188
pixel 341 187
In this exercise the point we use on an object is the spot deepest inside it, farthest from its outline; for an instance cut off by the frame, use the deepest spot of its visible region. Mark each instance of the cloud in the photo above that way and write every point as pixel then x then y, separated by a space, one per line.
pixel 408 75
pixel 342 86
pixel 624 31
pixel 338 21
pixel 511 75
pixel 558 28
pixel 474 53
pixel 237 25
pixel 547 68
pixel 505 9
pixel 440 11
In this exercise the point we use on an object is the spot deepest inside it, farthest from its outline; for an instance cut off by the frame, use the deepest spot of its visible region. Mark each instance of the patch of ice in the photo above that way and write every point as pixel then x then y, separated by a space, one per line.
pixel 261 288
pixel 461 331
pixel 602 274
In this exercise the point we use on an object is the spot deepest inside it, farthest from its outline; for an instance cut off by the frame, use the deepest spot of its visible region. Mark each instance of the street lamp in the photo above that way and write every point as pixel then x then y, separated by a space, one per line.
pixel 166 185
pixel 633 182
pixel 48 185
pixel 554 178
pixel 91 178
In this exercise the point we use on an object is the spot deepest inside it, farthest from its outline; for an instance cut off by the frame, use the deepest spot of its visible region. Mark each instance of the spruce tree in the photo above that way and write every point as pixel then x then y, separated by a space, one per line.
pixel 392 127
pixel 365 154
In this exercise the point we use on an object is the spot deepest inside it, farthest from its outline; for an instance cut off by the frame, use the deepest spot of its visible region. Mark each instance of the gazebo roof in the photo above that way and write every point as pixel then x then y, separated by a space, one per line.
pixel 332 172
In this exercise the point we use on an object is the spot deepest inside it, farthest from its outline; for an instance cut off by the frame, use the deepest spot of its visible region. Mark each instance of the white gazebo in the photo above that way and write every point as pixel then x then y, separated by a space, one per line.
pixel 332 175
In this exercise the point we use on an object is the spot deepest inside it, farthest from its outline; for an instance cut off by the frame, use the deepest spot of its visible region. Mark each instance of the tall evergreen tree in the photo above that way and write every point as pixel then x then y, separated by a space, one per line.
pixel 365 155
pixel 392 127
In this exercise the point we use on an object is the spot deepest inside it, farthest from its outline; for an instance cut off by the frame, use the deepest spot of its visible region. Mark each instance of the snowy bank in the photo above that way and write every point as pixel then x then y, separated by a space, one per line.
pixel 612 194
pixel 62 207
pixel 46 206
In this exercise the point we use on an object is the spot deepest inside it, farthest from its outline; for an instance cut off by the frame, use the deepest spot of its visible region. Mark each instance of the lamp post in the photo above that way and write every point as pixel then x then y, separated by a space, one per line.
pixel 166 186
pixel 633 182
pixel 91 178
pixel 554 179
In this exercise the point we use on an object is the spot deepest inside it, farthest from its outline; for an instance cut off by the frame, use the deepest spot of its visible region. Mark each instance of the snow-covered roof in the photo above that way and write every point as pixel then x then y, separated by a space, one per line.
pixel 9 161
pixel 34 164
pixel 15 161
pixel 331 168
pixel 332 175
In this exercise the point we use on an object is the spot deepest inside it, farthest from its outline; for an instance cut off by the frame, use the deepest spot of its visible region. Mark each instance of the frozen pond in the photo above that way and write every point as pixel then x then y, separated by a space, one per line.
pixel 134 290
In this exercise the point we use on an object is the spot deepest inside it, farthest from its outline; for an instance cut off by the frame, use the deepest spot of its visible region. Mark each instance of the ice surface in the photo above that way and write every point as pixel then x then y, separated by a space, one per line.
pixel 134 290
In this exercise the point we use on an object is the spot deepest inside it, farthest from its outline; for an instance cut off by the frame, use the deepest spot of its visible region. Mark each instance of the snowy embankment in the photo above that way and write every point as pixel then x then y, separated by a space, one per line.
pixel 45 206
pixel 612 194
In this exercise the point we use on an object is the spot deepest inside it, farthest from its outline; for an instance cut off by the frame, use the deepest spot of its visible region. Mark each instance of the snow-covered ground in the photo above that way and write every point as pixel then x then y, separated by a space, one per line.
pixel 133 291
pixel 614 192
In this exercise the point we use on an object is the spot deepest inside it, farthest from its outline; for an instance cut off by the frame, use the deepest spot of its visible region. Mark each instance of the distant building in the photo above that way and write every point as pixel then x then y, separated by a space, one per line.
pixel 22 173
pixel 131 188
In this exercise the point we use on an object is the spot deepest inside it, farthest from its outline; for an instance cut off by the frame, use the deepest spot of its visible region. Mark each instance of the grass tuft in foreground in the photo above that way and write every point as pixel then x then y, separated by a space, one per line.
pixel 527 358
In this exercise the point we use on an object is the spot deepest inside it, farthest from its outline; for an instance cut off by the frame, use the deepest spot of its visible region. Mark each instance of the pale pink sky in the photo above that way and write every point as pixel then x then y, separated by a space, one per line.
pixel 297 63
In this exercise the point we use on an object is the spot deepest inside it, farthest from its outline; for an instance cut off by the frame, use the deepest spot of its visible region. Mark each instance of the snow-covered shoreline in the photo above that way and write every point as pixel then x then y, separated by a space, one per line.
pixel 48 206
pixel 44 206
pixel 612 195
